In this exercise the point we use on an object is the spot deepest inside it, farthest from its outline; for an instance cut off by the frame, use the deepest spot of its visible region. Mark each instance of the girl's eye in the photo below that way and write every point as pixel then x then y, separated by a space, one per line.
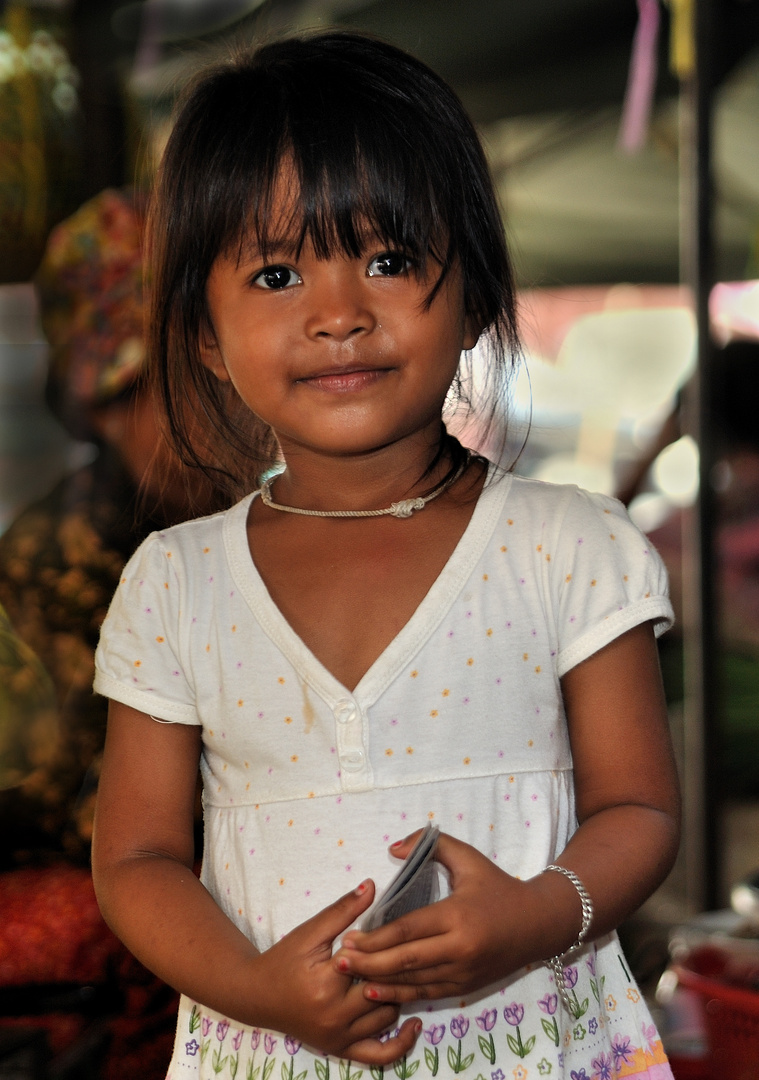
pixel 277 277
pixel 389 264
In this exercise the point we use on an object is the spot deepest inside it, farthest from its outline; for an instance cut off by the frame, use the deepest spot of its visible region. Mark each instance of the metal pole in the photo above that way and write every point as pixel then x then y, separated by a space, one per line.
pixel 701 747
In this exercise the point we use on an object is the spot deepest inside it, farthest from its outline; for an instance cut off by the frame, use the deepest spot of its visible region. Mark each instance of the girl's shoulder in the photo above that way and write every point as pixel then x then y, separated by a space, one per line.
pixel 188 533
pixel 540 500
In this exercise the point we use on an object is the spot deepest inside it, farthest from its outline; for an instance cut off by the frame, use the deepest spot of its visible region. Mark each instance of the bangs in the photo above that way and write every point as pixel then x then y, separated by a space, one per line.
pixel 340 211
pixel 342 189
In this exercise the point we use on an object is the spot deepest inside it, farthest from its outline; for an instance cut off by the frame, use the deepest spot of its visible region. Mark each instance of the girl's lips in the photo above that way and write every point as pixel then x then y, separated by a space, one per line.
pixel 345 381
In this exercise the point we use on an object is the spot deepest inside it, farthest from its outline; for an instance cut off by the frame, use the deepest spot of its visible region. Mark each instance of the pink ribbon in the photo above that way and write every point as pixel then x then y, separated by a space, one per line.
pixel 642 78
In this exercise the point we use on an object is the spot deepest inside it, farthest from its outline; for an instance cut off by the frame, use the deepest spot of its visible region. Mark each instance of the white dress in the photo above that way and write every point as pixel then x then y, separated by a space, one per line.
pixel 460 722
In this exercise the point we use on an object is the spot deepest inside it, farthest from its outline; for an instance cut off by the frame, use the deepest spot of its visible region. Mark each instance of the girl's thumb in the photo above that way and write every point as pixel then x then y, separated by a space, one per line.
pixel 336 918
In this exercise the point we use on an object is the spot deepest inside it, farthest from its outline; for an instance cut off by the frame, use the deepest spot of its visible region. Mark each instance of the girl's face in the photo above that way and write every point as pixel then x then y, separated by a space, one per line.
pixel 338 355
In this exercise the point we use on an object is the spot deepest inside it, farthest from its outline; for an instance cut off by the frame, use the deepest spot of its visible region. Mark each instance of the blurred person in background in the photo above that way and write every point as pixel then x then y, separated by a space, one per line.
pixel 60 560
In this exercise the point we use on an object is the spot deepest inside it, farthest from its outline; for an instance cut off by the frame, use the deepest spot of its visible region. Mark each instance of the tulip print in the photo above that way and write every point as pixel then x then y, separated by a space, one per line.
pixel 486 1022
pixel 459 1028
pixel 292 1046
pixel 549 1004
pixel 433 1035
pixel 514 1015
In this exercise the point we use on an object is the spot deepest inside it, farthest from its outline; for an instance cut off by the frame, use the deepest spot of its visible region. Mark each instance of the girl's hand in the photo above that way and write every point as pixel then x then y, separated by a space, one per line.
pixel 452 947
pixel 326 1009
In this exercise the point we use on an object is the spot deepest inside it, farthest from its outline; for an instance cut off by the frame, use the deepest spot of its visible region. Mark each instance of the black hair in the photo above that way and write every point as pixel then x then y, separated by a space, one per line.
pixel 374 138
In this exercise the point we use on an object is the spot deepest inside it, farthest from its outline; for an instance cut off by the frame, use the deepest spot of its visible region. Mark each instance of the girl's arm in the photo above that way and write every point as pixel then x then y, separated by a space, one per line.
pixel 628 808
pixel 142 861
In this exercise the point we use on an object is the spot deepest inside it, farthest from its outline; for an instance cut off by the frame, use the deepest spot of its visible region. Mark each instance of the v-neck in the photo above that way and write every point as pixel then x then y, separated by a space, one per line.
pixel 397 654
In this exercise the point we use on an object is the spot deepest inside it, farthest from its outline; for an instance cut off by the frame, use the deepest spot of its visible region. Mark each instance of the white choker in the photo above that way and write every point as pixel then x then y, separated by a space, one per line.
pixel 403 509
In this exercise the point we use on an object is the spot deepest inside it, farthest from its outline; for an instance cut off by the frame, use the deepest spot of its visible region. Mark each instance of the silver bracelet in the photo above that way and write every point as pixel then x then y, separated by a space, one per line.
pixel 557 963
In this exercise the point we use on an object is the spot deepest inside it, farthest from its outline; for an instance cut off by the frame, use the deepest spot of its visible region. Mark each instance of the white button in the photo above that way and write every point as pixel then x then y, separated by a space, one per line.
pixel 345 712
pixel 352 760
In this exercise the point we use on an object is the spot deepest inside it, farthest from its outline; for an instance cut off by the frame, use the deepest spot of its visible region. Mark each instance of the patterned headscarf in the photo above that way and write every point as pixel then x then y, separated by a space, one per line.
pixel 90 291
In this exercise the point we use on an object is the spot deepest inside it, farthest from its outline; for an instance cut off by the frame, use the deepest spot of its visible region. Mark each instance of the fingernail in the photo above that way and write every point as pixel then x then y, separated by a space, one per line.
pixel 361 889
pixel 398 843
pixel 343 964
pixel 418 1027
pixel 370 992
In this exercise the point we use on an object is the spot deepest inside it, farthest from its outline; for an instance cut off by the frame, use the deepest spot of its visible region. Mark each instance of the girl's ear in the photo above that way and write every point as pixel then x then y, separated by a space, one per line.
pixel 472 331
pixel 210 355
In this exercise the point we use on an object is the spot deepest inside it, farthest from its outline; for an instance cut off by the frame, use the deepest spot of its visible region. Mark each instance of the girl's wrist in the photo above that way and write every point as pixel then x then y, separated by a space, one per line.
pixel 558 914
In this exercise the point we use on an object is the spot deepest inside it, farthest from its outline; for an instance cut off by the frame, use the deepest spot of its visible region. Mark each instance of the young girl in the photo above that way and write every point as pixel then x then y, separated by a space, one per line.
pixel 386 632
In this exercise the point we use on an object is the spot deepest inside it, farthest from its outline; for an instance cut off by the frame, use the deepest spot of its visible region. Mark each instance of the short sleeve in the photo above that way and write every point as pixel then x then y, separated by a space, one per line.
pixel 610 579
pixel 138 659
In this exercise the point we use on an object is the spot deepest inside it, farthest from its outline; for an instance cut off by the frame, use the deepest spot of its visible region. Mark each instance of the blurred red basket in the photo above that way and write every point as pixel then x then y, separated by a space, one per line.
pixel 731 1016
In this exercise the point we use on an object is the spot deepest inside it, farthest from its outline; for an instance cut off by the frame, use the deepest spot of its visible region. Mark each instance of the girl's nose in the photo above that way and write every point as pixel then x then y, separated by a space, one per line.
pixel 339 307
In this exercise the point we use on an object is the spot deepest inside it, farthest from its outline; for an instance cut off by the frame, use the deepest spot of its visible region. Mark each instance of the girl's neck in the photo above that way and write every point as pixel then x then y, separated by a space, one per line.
pixel 359 482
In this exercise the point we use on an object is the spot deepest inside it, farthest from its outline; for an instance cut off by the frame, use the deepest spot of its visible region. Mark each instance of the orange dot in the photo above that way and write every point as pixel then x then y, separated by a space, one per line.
pixel 240 703
pixel 504 548
pixel 467 761
pixel 388 752
pixel 206 550
pixel 484 577
pixel 280 680
pixel 470 661
pixel 446 693
pixel 160 640
pixel 434 712
pixel 537 670
pixel 414 674
pixel 593 582
pixel 568 577
pixel 294 757
pixel 489 632
pixel 409 749
pixel 288 719
pixel 138 663
pixel 525 656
